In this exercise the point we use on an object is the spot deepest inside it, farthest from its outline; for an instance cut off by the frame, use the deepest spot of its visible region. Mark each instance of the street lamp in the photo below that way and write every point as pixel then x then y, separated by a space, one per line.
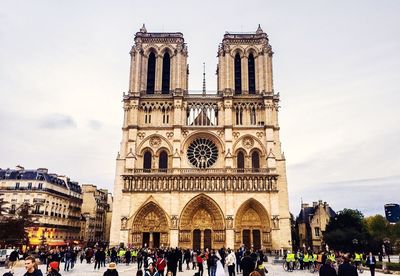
pixel 355 243
pixel 386 247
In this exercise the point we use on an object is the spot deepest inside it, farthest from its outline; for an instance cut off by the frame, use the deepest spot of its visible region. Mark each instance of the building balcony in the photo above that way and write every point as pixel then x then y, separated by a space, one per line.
pixel 202 180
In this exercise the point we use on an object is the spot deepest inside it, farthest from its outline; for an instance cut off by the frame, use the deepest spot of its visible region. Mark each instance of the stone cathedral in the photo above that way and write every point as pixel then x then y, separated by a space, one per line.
pixel 201 170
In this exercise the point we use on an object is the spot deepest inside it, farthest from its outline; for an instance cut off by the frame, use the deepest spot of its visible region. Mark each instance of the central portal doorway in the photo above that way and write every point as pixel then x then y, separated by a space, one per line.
pixel 202 239
pixel 196 239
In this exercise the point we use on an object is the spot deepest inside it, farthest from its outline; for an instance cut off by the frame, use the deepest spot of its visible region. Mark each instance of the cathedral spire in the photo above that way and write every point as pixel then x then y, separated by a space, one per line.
pixel 259 30
pixel 204 78
pixel 143 29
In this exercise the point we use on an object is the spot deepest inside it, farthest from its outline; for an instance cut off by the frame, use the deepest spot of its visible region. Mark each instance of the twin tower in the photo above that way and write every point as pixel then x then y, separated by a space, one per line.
pixel 201 170
pixel 159 63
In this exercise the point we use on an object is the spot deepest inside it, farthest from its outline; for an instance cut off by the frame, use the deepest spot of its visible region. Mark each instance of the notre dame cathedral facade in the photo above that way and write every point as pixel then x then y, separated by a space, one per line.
pixel 201 170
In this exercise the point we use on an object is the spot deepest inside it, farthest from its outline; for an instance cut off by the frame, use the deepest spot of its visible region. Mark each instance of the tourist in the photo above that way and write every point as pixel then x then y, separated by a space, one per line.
pixel 53 269
pixel 238 255
pixel 111 270
pixel 326 269
pixel 200 260
pixel 247 264
pixel 371 262
pixel 346 269
pixel 31 268
pixel 230 262
pixel 13 259
pixel 97 259
pixel 151 271
pixel 212 263
pixel 260 268
pixel 194 259
pixel 161 264
pixel 128 256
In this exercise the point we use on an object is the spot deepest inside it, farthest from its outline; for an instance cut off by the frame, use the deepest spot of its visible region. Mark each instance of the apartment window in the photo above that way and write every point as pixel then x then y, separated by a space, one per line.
pixel 17 185
pixel 40 186
pixel 12 210
pixel 317 232
pixel 37 209
pixel 30 186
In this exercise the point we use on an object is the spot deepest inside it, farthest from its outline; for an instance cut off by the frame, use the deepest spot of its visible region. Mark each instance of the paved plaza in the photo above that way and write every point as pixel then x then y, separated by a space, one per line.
pixel 87 269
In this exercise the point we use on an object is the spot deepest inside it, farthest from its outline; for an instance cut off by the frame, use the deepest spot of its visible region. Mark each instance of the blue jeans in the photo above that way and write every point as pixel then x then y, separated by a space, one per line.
pixel 213 270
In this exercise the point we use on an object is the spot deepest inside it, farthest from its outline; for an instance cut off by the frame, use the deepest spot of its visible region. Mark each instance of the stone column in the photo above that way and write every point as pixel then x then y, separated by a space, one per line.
pixel 132 72
pixel 172 72
pixel 159 62
pixel 174 237
pixel 151 241
pixel 137 79
pixel 201 239
pixel 245 74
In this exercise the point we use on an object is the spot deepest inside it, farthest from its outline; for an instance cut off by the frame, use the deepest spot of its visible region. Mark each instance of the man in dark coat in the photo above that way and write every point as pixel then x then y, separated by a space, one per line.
pixel 346 269
pixel 247 264
pixel 127 256
pixel 326 269
pixel 371 262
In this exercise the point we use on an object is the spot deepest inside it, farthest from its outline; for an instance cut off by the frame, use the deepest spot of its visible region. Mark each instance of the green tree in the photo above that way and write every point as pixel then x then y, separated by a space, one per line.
pixel 13 227
pixel 347 231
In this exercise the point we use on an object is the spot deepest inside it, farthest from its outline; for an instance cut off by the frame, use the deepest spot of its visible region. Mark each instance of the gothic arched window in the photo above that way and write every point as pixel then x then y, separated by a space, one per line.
pixel 255 161
pixel 240 161
pixel 163 161
pixel 252 75
pixel 166 73
pixel 238 74
pixel 147 161
pixel 151 73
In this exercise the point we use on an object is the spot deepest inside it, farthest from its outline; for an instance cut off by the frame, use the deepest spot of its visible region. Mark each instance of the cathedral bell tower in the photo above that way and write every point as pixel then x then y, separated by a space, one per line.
pixel 158 63
pixel 245 63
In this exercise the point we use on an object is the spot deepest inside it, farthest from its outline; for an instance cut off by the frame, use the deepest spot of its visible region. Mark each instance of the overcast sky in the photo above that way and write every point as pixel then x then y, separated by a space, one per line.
pixel 65 64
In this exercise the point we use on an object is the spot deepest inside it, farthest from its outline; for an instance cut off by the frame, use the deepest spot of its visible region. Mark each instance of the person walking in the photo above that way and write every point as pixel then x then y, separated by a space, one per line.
pixel 260 268
pixel 247 264
pixel 13 259
pixel 111 270
pixel 326 269
pixel 346 269
pixel 371 262
pixel 200 260
pixel 53 269
pixel 128 256
pixel 31 267
pixel 97 259
pixel 230 262
pixel 161 264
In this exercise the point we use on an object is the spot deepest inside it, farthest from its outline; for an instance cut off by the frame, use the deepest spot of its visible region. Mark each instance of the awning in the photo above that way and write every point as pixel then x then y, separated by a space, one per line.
pixel 56 243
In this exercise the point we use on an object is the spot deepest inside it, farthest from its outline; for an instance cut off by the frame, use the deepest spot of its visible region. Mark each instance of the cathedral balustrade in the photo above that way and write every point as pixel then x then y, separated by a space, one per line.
pixel 210 180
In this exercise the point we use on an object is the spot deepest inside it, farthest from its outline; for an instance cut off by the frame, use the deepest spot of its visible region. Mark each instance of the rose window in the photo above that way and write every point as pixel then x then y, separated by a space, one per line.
pixel 202 153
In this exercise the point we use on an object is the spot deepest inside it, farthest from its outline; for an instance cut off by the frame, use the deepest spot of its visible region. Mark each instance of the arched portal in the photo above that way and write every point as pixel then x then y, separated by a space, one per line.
pixel 150 227
pixel 202 224
pixel 252 227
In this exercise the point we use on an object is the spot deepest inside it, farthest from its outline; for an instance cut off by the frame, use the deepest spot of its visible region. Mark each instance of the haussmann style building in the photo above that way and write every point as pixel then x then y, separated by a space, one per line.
pixel 201 170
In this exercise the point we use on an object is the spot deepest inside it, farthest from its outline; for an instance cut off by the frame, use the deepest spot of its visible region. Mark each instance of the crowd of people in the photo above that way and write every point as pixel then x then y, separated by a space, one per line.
pixel 149 262
pixel 330 263
pixel 170 261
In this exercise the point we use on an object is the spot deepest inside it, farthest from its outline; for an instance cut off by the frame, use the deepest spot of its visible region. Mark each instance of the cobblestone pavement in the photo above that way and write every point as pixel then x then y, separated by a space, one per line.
pixel 87 269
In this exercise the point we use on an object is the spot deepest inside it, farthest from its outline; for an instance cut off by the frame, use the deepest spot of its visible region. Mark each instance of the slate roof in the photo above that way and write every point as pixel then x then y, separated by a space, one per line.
pixel 11 174
pixel 307 213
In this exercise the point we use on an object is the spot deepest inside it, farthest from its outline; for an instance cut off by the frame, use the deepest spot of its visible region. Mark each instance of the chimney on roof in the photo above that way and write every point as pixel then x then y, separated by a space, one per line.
pixel 314 204
pixel 304 205
pixel 326 205
pixel 43 170
pixel 19 168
